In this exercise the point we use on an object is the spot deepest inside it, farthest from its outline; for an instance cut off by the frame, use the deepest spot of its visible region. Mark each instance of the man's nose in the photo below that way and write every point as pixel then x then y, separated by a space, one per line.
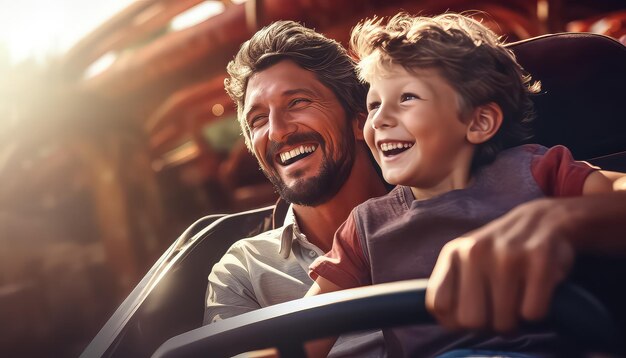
pixel 384 117
pixel 280 126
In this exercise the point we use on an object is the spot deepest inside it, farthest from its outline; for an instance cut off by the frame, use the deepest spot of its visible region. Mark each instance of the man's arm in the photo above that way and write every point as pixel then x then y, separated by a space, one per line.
pixel 507 270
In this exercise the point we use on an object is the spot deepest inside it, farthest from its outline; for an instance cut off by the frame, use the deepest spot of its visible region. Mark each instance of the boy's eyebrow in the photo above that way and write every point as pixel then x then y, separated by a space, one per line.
pixel 286 93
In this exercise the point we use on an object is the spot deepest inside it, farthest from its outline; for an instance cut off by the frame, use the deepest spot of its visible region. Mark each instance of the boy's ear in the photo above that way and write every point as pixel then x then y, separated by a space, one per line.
pixel 484 123
pixel 358 124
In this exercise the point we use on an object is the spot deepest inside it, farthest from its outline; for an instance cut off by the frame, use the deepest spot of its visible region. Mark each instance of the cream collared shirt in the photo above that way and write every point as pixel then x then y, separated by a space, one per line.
pixel 272 268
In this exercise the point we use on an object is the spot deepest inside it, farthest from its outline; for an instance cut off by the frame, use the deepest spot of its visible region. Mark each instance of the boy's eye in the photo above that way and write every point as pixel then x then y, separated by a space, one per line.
pixel 372 106
pixel 408 97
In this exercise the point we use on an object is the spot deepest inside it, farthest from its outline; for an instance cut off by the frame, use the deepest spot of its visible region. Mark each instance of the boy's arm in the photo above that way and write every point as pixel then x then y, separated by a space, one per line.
pixel 321 347
pixel 317 348
pixel 508 269
pixel 345 264
pixel 599 217
pixel 322 285
pixel 603 181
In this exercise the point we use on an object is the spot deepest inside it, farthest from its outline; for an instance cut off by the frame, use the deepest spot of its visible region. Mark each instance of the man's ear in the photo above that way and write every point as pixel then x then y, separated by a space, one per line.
pixel 484 123
pixel 358 124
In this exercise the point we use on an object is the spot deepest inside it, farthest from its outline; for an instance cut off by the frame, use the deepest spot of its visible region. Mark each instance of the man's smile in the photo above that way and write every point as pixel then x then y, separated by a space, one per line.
pixel 288 157
pixel 284 156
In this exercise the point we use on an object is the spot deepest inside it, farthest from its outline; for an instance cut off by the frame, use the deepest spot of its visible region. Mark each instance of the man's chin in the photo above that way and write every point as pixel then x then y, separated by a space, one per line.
pixel 306 192
pixel 313 190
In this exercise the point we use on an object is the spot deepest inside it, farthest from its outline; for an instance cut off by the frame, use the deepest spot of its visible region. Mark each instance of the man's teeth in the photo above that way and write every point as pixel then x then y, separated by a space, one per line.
pixel 296 151
pixel 391 146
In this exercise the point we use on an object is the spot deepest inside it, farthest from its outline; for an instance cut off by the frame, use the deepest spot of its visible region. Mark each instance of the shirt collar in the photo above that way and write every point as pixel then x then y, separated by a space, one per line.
pixel 291 232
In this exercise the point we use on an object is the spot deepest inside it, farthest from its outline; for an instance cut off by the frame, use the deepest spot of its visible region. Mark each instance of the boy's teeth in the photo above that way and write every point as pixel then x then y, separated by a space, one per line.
pixel 285 156
pixel 391 146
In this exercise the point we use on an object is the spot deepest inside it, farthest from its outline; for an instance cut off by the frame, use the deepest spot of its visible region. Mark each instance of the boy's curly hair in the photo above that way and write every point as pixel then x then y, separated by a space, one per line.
pixel 468 55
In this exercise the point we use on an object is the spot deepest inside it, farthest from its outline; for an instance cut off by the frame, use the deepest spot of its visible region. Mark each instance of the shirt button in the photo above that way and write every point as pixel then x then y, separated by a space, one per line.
pixel 312 253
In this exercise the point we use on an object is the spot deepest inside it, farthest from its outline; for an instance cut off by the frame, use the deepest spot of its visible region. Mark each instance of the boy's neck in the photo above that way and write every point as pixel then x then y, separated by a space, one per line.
pixel 428 193
pixel 459 178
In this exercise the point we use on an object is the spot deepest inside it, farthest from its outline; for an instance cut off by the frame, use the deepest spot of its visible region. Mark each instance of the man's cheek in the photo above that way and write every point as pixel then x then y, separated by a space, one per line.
pixel 261 160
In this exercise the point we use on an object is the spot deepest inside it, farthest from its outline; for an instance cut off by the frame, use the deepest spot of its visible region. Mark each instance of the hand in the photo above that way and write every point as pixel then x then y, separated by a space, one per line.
pixel 505 271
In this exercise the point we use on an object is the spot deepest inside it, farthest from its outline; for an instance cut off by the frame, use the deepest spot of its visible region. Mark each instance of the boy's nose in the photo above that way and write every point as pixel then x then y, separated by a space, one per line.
pixel 384 117
pixel 280 127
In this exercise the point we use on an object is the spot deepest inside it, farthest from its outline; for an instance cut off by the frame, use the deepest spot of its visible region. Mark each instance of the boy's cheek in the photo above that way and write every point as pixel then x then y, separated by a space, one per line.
pixel 374 150
pixel 369 140
pixel 368 134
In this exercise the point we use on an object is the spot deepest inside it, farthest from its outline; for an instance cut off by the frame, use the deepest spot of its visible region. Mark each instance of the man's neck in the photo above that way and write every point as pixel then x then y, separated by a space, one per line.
pixel 320 223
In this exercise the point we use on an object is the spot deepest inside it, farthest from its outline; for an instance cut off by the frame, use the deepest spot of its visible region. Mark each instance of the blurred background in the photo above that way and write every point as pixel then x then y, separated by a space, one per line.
pixel 116 134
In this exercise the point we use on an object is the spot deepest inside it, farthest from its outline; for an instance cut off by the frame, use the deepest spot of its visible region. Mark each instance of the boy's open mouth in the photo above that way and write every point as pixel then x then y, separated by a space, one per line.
pixel 394 148
pixel 295 154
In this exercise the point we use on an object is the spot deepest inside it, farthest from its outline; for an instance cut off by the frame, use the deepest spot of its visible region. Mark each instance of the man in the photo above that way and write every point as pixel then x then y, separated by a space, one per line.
pixel 301 109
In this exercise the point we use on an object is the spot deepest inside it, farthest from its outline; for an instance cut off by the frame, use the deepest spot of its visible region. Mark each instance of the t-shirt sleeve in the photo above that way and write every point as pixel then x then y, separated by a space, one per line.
pixel 229 292
pixel 557 173
pixel 345 264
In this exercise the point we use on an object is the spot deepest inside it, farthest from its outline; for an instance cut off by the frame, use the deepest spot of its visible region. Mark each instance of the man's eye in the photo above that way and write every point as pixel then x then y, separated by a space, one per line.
pixel 408 96
pixel 257 121
pixel 372 106
pixel 298 102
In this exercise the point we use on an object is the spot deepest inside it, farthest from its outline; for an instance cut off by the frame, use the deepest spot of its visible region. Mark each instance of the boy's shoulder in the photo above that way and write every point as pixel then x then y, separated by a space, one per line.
pixel 398 197
pixel 534 150
pixel 524 153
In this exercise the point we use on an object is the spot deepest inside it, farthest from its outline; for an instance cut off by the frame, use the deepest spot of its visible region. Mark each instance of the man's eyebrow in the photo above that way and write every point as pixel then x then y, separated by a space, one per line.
pixel 247 111
pixel 286 93
pixel 306 91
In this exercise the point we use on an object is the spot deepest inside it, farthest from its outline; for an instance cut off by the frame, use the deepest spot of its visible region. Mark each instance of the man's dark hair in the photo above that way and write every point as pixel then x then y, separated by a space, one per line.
pixel 288 40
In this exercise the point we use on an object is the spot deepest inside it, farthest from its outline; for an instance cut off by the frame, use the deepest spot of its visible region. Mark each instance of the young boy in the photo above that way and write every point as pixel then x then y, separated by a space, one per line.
pixel 448 109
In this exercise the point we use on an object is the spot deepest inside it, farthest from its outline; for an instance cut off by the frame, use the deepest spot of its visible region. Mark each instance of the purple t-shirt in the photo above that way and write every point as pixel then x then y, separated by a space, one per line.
pixel 395 237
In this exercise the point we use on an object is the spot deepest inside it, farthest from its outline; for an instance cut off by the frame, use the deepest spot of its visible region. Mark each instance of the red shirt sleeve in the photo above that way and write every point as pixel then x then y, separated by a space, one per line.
pixel 345 264
pixel 557 173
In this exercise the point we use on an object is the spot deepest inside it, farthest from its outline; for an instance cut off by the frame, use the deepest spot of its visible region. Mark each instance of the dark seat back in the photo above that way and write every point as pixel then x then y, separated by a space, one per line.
pixel 583 102
pixel 170 298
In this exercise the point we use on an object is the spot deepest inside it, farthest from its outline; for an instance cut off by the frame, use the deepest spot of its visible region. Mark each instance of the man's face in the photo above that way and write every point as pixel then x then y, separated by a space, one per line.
pixel 299 133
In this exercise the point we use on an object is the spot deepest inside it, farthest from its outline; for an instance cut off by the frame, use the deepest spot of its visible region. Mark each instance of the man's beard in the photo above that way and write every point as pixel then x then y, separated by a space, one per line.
pixel 322 187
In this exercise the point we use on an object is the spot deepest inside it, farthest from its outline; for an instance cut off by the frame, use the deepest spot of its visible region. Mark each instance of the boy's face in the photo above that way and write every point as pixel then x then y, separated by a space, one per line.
pixel 414 130
pixel 299 133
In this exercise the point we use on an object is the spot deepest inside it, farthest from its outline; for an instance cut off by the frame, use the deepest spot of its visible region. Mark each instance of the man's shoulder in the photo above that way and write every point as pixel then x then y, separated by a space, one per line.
pixel 252 251
pixel 263 241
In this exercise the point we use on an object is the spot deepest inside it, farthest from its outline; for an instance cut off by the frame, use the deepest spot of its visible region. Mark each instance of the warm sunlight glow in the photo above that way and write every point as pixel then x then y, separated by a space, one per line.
pixel 217 110
pixel 197 14
pixel 100 65
pixel 42 28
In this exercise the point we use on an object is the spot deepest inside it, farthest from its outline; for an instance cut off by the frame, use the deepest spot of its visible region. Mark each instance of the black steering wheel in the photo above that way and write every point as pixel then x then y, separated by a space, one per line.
pixel 573 312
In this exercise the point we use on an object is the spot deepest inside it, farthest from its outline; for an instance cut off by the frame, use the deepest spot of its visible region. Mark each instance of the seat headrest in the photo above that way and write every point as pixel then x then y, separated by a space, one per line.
pixel 583 99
